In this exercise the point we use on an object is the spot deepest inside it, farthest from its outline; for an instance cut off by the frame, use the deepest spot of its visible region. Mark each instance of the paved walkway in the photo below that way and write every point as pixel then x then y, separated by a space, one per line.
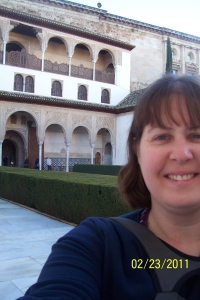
pixel 26 238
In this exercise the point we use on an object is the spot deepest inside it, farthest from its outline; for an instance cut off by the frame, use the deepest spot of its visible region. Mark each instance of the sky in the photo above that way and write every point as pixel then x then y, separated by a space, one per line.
pixel 180 15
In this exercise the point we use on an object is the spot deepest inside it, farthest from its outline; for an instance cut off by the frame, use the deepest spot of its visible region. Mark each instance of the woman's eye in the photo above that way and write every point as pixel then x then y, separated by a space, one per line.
pixel 161 137
pixel 196 136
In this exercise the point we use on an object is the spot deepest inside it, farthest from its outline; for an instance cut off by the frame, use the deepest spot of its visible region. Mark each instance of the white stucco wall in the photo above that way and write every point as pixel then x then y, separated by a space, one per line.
pixel 43 82
pixel 123 123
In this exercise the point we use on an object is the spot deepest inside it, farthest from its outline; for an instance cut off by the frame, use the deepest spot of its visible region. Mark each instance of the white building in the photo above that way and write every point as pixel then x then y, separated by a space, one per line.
pixel 65 75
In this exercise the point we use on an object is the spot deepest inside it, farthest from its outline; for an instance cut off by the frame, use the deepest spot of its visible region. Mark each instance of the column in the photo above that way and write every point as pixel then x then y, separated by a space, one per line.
pixel 4 51
pixel 198 61
pixel 94 63
pixel 164 55
pixel 92 153
pixel 116 81
pixel 183 59
pixel 1 142
pixel 40 155
pixel 113 154
pixel 70 63
pixel 42 67
pixel 67 157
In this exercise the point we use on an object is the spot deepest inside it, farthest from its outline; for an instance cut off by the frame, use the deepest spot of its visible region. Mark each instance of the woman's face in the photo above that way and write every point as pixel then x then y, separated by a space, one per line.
pixel 169 159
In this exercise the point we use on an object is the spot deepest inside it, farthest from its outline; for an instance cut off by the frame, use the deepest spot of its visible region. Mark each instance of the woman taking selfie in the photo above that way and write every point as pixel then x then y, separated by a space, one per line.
pixel 102 260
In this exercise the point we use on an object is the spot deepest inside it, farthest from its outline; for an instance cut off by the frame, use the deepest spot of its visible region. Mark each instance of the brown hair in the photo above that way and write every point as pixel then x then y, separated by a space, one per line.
pixel 148 111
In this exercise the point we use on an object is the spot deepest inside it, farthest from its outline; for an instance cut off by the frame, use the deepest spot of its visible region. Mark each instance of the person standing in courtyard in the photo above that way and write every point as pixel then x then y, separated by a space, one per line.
pixel 161 180
pixel 37 163
pixel 26 163
pixel 5 161
pixel 49 163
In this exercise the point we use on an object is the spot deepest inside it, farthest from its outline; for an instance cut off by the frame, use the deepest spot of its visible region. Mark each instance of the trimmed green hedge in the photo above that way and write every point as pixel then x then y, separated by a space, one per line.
pixel 98 169
pixel 68 196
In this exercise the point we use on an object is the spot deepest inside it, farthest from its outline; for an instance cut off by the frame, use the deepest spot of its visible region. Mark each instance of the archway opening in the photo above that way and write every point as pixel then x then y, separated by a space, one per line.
pixel 97 158
pixel 54 147
pixel 9 149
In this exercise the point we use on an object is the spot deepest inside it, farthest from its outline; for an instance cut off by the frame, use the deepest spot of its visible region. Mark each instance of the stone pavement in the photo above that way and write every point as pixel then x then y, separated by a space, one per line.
pixel 26 238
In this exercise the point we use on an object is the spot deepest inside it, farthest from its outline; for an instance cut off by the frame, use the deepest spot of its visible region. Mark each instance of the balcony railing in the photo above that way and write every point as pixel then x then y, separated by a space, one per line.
pixel 25 60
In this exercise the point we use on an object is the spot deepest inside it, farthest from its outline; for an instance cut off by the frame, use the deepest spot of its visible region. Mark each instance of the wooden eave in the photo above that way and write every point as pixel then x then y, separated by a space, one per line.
pixel 61 27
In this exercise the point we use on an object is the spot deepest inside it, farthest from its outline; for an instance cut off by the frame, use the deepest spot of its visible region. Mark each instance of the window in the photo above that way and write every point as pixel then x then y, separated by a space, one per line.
pixel 82 92
pixel 175 72
pixel 189 56
pixel 29 84
pixel 13 119
pixel 56 89
pixel 105 97
pixel 23 120
pixel 18 84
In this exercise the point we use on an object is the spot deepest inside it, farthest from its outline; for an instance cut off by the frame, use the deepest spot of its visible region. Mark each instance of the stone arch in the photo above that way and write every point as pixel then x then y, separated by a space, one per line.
pixel 54 143
pixel 14 146
pixel 56 48
pixel 82 58
pixel 57 37
pixel 28 132
pixel 103 137
pixel 56 122
pixel 112 55
pixel 9 112
pixel 86 45
pixel 80 147
pixel 14 46
pixel 108 154
pixel 190 56
pixel 86 128
pixel 109 130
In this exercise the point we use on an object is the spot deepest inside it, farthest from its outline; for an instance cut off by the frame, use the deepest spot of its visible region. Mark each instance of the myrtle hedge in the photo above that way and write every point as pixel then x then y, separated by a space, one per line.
pixel 98 169
pixel 67 196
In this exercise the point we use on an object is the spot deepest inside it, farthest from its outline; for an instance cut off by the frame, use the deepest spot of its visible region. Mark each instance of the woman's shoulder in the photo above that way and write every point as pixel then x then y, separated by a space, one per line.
pixel 99 230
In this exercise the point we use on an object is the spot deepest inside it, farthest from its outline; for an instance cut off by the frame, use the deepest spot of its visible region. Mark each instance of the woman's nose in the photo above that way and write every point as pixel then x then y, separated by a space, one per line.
pixel 181 151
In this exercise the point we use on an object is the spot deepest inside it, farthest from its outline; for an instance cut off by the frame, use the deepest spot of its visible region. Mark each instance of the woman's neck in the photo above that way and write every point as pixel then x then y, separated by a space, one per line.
pixel 181 231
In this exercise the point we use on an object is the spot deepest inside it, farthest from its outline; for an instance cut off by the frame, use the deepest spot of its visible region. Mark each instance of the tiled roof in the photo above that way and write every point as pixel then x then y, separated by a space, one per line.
pixel 130 100
pixel 127 104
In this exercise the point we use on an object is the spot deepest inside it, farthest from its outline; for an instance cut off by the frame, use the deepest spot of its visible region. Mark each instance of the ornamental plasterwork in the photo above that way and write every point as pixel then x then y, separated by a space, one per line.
pixel 104 122
pixel 81 120
pixel 56 118
pixel 44 38
pixel 70 46
pixel 5 28
pixel 95 52
pixel 22 131
pixel 10 111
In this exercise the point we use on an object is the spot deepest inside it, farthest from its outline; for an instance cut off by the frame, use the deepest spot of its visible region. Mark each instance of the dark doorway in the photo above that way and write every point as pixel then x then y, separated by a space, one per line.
pixel 8 148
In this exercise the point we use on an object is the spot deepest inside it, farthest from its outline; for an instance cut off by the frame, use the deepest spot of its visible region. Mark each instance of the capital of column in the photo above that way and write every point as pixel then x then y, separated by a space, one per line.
pixel 92 145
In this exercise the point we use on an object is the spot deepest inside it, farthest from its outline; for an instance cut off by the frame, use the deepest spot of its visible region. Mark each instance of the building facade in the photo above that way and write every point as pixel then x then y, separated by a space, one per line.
pixel 66 72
